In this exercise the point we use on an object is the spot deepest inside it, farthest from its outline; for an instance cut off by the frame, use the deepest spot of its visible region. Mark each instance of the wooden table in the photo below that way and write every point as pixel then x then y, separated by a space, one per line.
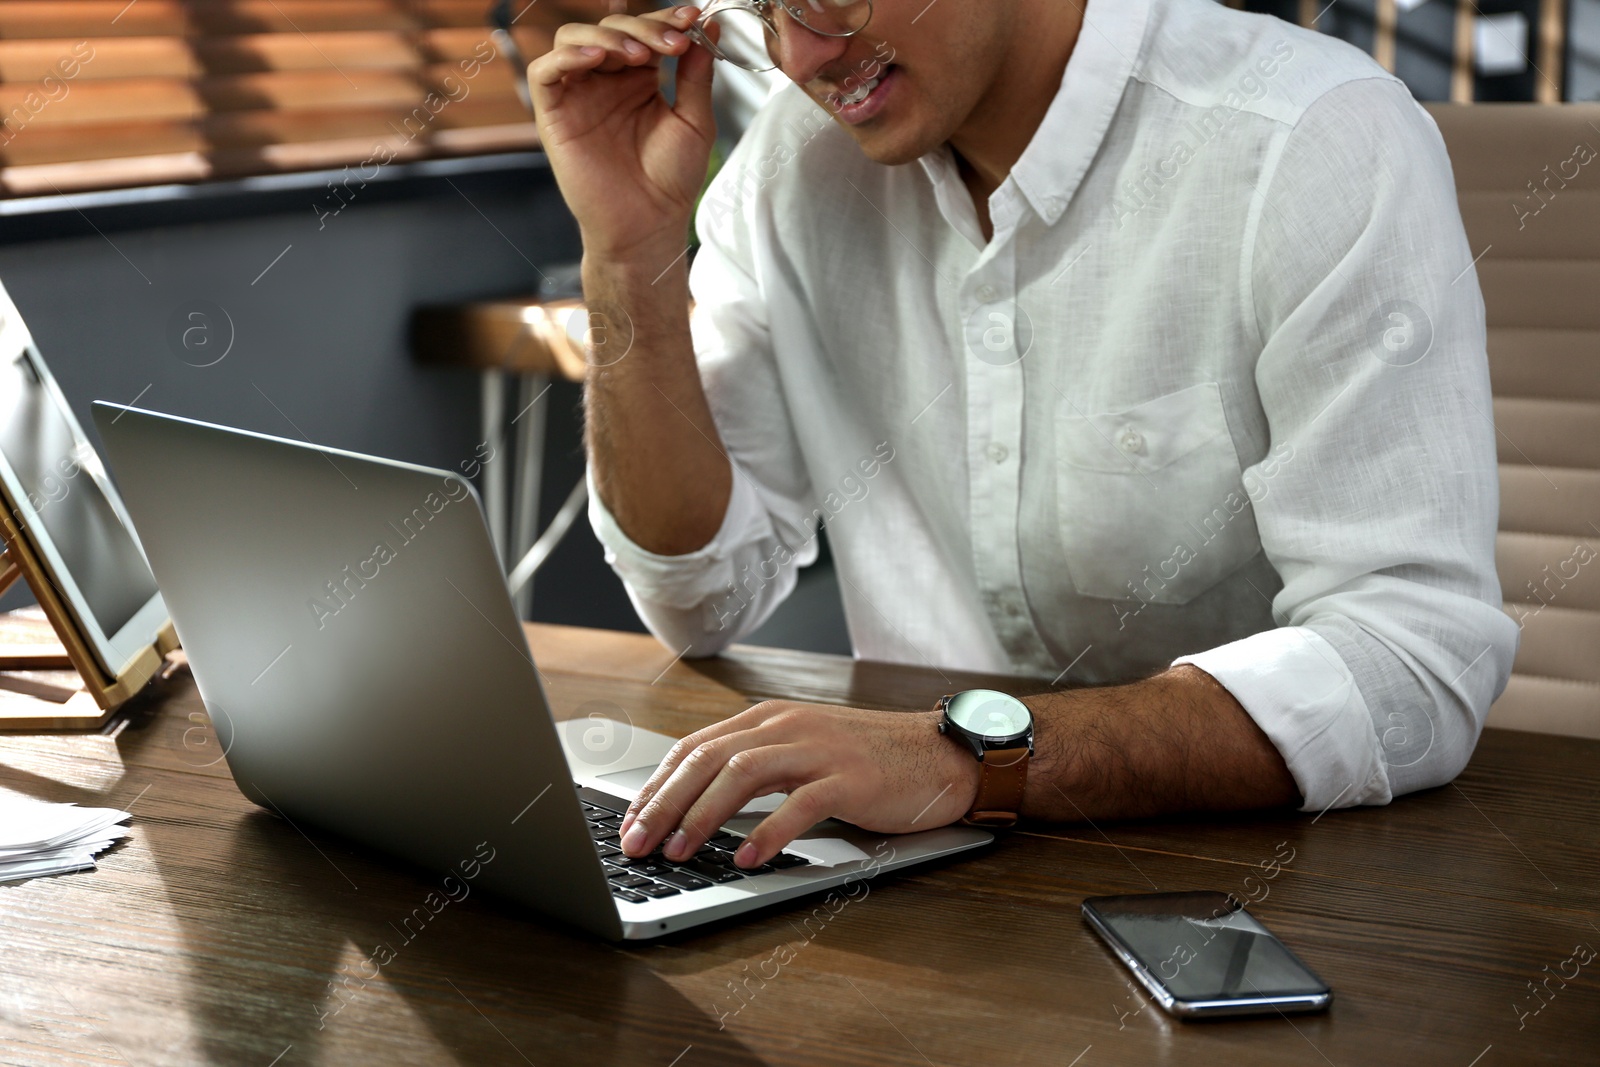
pixel 221 934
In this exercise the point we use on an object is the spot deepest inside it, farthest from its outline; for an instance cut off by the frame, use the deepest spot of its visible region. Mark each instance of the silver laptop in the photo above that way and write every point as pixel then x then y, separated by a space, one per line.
pixel 349 628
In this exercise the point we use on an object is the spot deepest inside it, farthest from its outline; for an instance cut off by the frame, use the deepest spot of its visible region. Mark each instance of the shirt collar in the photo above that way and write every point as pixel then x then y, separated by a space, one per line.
pixel 1056 158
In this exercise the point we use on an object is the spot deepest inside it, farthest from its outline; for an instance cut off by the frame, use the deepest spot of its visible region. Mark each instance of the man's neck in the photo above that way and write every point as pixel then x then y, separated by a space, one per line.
pixel 1000 128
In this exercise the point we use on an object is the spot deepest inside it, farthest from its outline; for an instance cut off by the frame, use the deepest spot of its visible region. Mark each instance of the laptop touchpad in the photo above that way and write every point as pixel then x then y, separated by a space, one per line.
pixel 596 746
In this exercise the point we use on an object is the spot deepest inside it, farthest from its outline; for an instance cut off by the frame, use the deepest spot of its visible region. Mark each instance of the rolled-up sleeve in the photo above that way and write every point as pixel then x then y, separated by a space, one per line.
pixel 1380 503
pixel 700 602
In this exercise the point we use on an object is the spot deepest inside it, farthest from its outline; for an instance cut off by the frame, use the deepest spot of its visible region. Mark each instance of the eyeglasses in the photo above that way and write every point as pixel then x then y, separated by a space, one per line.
pixel 747 30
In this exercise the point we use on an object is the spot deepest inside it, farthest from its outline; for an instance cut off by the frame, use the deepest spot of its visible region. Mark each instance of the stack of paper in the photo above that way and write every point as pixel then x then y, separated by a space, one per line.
pixel 38 838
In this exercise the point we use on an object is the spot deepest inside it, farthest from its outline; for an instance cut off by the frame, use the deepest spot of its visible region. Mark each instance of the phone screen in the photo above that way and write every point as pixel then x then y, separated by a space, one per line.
pixel 1204 947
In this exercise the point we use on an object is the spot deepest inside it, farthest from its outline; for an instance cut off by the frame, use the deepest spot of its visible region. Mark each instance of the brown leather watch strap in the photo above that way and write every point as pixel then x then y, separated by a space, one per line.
pixel 1002 778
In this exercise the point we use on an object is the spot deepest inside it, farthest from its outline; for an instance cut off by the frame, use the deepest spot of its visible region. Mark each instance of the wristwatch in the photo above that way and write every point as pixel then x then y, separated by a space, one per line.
pixel 999 731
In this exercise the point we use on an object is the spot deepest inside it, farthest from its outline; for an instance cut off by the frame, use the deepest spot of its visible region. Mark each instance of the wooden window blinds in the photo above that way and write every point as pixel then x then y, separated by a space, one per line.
pixel 99 94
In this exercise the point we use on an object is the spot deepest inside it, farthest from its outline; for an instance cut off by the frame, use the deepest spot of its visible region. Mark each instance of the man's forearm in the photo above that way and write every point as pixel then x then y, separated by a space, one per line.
pixel 658 461
pixel 1176 742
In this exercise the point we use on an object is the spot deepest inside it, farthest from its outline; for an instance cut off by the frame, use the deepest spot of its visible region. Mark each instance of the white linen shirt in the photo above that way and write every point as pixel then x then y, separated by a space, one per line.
pixel 1215 392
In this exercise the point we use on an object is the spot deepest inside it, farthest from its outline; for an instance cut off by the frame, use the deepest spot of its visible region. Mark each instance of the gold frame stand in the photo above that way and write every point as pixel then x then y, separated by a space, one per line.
pixel 30 702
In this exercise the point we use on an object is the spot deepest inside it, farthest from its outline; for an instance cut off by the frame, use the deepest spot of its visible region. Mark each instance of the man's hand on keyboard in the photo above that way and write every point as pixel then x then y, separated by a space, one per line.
pixel 888 772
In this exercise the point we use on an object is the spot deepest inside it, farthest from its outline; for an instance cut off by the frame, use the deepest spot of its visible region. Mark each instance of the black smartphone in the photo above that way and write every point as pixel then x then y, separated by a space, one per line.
pixel 1203 955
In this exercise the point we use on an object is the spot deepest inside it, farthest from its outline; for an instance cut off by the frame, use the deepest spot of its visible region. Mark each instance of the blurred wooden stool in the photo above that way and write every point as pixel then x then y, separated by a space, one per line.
pixel 521 345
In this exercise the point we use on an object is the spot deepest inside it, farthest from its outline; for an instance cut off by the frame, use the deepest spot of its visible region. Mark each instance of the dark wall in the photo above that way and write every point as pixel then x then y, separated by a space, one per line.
pixel 318 342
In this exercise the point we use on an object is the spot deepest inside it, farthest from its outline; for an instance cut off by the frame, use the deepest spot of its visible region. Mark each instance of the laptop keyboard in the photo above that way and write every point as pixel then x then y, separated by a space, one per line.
pixel 637 879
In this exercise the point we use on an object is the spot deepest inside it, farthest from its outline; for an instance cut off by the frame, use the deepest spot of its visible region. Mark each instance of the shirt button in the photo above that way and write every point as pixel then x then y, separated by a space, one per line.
pixel 997 452
pixel 988 294
pixel 1132 441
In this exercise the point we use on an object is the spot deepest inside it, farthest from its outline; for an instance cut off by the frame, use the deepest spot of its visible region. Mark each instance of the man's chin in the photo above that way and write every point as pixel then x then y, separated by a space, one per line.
pixel 891 148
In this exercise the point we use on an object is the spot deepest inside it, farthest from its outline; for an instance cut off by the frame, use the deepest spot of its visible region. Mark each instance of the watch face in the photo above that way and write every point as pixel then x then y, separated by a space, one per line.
pixel 991 715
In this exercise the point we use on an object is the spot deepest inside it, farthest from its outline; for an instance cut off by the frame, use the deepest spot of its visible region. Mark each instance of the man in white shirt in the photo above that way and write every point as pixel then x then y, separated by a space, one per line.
pixel 1136 345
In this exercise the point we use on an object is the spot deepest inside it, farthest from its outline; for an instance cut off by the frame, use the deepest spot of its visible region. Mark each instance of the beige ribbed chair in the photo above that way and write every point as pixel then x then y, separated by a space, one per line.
pixel 1528 176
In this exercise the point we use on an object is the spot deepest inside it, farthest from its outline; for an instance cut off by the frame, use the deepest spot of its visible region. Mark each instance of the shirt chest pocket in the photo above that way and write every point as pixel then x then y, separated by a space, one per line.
pixel 1151 501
